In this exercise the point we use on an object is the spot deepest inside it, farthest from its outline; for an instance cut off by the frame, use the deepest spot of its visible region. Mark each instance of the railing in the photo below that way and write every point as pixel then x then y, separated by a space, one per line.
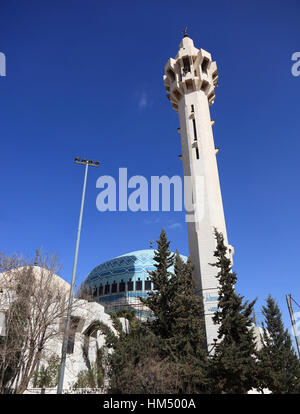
pixel 35 391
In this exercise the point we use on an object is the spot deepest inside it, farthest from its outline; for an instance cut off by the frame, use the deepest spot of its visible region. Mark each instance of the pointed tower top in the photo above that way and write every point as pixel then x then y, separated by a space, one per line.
pixel 185 32
pixel 187 45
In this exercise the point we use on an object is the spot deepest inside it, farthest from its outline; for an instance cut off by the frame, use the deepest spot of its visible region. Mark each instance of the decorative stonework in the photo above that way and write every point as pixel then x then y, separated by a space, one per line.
pixel 191 70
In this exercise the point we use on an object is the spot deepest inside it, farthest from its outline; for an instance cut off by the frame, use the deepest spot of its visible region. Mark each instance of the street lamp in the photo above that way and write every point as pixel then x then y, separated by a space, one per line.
pixel 87 163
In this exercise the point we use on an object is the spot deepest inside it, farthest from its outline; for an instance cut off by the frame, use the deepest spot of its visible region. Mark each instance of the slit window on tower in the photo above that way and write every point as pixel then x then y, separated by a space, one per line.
pixel 197 153
pixel 192 109
pixel 195 130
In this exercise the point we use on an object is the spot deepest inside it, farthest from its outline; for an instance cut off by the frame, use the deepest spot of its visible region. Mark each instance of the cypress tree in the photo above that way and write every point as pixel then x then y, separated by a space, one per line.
pixel 233 364
pixel 160 300
pixel 178 318
pixel 186 344
pixel 279 367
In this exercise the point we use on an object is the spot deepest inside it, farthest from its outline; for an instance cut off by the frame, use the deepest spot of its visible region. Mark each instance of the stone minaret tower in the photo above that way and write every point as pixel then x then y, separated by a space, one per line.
pixel 190 80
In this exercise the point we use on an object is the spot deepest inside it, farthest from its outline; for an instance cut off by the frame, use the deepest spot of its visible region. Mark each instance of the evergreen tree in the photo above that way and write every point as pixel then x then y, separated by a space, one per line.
pixel 47 376
pixel 135 363
pixel 178 318
pixel 167 354
pixel 160 300
pixel 279 367
pixel 233 364
pixel 186 344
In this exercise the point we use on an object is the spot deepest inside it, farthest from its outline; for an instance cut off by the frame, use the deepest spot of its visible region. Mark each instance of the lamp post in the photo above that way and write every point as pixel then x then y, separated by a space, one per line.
pixel 87 163
pixel 294 325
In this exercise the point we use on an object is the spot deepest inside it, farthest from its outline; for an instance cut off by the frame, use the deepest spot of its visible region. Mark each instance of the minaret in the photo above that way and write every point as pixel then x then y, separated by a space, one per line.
pixel 190 80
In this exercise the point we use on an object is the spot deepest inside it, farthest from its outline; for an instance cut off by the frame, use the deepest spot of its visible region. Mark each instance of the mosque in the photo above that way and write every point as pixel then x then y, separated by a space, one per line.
pixel 120 282
pixel 190 80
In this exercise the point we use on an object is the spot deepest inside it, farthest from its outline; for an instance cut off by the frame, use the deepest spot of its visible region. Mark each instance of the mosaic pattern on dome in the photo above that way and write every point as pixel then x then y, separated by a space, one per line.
pixel 134 264
pixel 120 282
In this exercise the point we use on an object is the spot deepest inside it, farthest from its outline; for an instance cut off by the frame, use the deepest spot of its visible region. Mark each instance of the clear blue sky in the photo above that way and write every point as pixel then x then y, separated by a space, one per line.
pixel 84 78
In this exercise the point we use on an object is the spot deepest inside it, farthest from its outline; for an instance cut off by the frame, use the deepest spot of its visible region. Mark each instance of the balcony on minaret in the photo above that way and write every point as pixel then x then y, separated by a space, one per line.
pixel 191 70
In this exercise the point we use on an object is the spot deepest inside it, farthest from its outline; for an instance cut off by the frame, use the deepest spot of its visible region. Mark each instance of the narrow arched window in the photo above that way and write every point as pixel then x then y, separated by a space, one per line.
pixel 114 287
pixel 122 286
pixel 107 289
pixel 130 285
pixel 139 284
pixel 148 284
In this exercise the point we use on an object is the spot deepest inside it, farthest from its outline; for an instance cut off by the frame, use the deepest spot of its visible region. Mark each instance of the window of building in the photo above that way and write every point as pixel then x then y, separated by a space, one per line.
pixel 204 65
pixel 176 94
pixel 186 65
pixel 101 290
pixel 195 129
pixel 171 74
pixel 107 289
pixel 95 291
pixel 122 286
pixel 189 85
pixel 114 287
pixel 148 284
pixel 130 285
pixel 139 284
pixel 204 85
pixel 71 337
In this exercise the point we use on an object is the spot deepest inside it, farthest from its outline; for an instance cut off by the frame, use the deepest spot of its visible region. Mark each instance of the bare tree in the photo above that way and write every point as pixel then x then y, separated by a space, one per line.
pixel 10 339
pixel 34 301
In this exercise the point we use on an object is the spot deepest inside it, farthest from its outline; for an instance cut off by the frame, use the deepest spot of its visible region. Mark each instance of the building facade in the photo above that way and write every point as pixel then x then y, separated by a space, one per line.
pixel 84 339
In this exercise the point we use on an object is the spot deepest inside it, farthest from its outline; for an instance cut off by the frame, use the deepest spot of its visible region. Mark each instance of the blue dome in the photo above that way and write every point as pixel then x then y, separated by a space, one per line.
pixel 120 281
